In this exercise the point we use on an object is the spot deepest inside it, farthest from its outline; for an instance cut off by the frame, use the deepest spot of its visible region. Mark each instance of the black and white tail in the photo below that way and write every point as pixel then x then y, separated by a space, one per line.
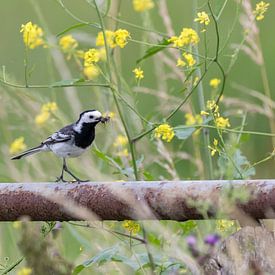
pixel 31 151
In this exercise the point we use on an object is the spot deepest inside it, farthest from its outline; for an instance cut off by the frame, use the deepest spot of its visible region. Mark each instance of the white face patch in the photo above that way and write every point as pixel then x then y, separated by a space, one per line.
pixel 87 117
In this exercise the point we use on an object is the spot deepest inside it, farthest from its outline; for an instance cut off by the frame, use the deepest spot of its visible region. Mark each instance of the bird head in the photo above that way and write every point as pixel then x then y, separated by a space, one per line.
pixel 90 117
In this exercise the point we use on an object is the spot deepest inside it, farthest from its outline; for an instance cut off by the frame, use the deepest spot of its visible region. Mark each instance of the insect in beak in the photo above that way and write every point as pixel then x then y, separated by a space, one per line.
pixel 104 119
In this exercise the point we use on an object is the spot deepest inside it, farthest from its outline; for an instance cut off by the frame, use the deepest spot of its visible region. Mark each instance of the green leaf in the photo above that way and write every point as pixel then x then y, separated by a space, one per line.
pixel 107 255
pixel 155 49
pixel 188 226
pixel 76 26
pixel 182 132
pixel 240 169
pixel 67 82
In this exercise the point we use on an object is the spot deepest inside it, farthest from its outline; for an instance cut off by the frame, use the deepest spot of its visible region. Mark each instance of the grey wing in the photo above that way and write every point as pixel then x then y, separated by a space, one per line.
pixel 64 134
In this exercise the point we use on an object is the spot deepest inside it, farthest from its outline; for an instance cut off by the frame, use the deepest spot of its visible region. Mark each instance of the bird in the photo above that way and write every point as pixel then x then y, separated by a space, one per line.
pixel 70 141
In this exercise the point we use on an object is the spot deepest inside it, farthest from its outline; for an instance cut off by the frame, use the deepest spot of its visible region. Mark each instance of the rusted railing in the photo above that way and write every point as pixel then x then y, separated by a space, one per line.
pixel 181 200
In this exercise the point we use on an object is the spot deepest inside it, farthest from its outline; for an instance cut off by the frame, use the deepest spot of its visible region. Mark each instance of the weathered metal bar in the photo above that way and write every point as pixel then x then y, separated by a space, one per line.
pixel 166 200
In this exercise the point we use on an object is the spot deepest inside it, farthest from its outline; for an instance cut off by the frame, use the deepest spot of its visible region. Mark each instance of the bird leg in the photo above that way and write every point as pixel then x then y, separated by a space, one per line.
pixel 61 178
pixel 65 168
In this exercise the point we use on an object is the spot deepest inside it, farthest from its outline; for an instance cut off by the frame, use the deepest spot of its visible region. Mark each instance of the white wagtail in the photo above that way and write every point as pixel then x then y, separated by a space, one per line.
pixel 70 141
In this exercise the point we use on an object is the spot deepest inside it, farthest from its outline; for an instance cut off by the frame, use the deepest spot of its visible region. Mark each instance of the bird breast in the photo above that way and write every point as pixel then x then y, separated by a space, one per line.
pixel 66 150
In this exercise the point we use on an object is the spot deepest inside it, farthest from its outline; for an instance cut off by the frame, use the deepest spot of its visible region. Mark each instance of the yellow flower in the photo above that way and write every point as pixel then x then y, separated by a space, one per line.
pixel 49 107
pixel 67 43
pixel 191 120
pixel 138 73
pixel 91 72
pixel 143 5
pixel 42 118
pixel 121 37
pixel 214 83
pixel 212 106
pixel 189 59
pixel 165 132
pixel 32 35
pixel 17 224
pixel 24 271
pixel 110 38
pixel 214 149
pixel 260 10
pixel 123 153
pixel 222 122
pixel 204 113
pixel 188 36
pixel 181 63
pixel 45 113
pixel 224 225
pixel 202 18
pixel 17 146
pixel 120 141
pixel 91 57
pixel 131 226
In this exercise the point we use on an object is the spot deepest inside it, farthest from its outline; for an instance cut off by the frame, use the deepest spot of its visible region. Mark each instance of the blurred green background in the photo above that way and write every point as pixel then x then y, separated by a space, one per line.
pixel 17 121
pixel 18 107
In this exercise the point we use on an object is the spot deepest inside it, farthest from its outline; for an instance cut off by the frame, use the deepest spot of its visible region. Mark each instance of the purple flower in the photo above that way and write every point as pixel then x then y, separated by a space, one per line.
pixel 191 240
pixel 212 239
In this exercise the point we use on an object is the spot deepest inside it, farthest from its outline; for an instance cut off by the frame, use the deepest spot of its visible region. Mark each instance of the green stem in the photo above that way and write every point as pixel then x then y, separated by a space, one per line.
pixel 176 109
pixel 226 130
pixel 207 159
pixel 53 85
pixel 131 145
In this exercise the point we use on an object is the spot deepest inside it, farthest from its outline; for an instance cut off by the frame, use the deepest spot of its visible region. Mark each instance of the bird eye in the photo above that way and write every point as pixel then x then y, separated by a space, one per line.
pixel 91 117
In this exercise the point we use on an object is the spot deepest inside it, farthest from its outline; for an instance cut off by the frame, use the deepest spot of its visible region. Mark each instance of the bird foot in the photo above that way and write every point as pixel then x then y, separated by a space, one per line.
pixel 60 179
pixel 79 181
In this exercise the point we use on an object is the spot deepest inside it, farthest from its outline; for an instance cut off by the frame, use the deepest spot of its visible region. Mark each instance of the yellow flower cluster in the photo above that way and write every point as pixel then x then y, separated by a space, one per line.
pixel 222 122
pixel 143 5
pixel 91 71
pixel 32 35
pixel 117 38
pixel 139 74
pixel 120 143
pixel 131 226
pixel 224 225
pixel 187 36
pixel 188 60
pixel 191 120
pixel 214 148
pixel 91 57
pixel 24 271
pixel 202 18
pixel 121 37
pixel 17 146
pixel 67 43
pixel 260 10
pixel 165 132
pixel 45 113
pixel 214 83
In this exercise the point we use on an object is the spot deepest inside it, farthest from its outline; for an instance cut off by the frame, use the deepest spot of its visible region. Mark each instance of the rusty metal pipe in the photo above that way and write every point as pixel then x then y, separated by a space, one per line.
pixel 134 200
